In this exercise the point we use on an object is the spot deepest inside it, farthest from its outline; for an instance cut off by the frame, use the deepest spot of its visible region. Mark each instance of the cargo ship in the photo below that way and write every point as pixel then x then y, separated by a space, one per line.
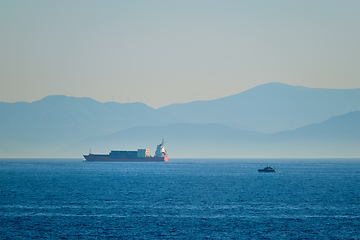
pixel 141 155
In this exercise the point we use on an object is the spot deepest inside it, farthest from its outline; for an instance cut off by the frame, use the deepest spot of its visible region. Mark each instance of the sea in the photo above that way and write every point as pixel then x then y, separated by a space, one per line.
pixel 180 199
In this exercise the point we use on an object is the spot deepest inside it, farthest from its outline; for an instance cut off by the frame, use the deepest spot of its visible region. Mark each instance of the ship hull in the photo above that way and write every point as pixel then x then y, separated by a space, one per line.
pixel 262 170
pixel 107 158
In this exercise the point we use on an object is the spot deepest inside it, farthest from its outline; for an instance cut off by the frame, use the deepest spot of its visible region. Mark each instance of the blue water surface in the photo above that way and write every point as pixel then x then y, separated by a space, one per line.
pixel 180 199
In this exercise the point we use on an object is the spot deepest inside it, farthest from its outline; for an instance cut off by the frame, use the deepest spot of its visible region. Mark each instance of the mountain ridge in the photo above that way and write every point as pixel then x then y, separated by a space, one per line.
pixel 55 121
pixel 270 107
pixel 215 140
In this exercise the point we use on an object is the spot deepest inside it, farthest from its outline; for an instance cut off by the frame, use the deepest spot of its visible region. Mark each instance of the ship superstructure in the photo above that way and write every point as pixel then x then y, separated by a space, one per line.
pixel 160 150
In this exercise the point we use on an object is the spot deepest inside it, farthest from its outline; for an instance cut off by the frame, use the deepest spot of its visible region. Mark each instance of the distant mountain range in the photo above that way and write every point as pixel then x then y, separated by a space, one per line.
pixel 336 137
pixel 270 107
pixel 271 120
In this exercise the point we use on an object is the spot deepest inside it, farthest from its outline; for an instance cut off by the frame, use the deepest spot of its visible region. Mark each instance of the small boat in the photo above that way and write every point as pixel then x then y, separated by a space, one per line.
pixel 267 169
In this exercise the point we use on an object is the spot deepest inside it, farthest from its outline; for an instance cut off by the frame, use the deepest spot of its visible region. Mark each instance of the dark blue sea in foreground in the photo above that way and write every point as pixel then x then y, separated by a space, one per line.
pixel 180 199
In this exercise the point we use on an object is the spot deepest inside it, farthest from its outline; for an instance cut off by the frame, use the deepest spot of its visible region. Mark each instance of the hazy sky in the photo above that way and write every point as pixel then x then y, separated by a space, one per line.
pixel 165 52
